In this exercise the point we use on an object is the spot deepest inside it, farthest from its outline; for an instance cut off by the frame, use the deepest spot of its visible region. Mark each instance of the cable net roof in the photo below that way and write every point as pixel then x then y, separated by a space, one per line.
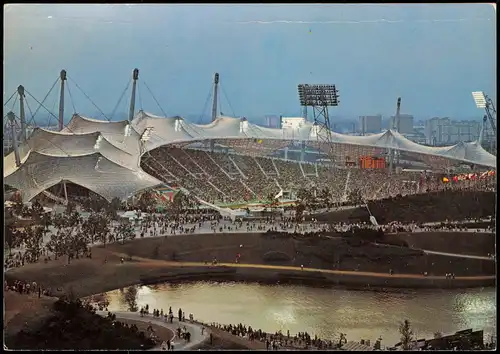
pixel 105 156
pixel 93 171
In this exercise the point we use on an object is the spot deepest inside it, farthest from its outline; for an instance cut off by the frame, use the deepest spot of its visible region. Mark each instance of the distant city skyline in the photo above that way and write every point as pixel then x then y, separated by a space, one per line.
pixel 431 55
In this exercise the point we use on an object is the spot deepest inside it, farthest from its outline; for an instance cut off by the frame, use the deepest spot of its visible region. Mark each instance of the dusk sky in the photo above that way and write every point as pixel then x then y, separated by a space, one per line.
pixel 431 55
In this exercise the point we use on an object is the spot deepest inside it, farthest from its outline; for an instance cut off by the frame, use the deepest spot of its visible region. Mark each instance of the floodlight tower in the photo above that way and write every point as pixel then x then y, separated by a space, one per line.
pixel 320 97
pixel 62 77
pixel 135 77
pixel 22 116
pixel 483 101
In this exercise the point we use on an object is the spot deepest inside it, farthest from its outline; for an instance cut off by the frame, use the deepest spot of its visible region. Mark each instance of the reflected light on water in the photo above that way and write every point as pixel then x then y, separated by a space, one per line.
pixel 324 312
pixel 284 317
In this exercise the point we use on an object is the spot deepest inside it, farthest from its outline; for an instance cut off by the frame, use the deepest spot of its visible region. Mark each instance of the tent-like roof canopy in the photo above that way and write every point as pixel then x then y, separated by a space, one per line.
pixel 105 156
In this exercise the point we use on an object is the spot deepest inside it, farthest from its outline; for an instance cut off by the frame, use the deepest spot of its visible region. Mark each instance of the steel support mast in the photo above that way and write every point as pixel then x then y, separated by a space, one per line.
pixel 395 126
pixel 135 77
pixel 62 77
pixel 22 115
pixel 216 94
pixel 12 118
pixel 214 105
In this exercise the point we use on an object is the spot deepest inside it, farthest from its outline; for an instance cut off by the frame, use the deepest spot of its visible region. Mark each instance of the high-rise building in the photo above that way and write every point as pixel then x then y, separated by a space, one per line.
pixel 405 123
pixel 272 121
pixel 444 131
pixel 370 124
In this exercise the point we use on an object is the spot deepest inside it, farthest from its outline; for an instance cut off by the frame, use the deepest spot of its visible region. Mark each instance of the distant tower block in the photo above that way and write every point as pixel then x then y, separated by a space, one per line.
pixel 135 77
pixel 61 100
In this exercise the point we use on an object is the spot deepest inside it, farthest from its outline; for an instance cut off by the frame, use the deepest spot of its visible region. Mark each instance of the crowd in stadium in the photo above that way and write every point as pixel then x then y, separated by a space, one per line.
pixel 221 177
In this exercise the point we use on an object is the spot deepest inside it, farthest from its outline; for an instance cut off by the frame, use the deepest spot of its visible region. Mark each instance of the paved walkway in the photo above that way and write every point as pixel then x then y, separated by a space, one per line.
pixel 179 344
pixel 460 255
pixel 148 262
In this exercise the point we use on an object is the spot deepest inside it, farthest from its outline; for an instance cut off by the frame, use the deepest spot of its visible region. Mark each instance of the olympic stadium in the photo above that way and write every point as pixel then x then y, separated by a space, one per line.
pixel 105 157
pixel 216 162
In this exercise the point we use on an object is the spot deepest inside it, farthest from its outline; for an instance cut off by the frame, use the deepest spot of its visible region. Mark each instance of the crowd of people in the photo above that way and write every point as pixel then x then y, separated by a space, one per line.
pixel 223 178
pixel 71 235
pixel 26 288
pixel 157 224
pixel 279 340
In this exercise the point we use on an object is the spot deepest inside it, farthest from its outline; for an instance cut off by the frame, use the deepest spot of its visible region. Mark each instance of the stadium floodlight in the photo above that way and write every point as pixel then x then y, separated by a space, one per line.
pixel 480 99
pixel 147 134
pixel 318 95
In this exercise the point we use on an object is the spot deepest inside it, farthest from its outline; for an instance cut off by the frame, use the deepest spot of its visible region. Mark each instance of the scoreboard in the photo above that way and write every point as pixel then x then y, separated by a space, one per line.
pixel 371 162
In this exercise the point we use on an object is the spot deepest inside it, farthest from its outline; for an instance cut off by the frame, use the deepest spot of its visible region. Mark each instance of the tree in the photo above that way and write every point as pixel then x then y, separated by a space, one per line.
pixel 73 219
pixel 406 334
pixel 125 232
pixel 95 203
pixel 146 200
pixel 74 241
pixel 113 208
pixel 179 203
pixel 437 335
pixel 105 236
pixel 130 298
pixel 95 224
pixel 59 221
pixel 12 238
pixel 33 238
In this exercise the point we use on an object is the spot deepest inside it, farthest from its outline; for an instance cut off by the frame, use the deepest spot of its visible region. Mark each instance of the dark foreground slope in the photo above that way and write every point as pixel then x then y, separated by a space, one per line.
pixel 420 208
pixel 71 325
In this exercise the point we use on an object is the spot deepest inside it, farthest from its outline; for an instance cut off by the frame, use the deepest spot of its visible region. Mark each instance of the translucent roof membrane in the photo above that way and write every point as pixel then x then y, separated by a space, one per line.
pixel 105 156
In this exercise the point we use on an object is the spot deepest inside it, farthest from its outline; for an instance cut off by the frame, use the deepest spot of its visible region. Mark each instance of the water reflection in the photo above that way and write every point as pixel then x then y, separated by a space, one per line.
pixel 324 312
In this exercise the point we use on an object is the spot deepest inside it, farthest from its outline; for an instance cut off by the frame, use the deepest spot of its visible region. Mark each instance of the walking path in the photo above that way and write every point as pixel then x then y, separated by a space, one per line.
pixel 460 255
pixel 179 344
pixel 148 262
